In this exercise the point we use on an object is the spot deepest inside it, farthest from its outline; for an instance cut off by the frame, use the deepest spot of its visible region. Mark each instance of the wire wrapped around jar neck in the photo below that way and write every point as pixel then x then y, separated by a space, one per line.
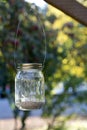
pixel 26 66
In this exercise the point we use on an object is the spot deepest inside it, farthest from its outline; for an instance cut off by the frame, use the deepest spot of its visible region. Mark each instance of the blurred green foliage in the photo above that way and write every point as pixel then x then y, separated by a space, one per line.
pixel 66 59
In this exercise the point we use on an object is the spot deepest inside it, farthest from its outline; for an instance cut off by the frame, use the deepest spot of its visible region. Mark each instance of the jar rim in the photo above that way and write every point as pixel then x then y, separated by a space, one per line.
pixel 30 66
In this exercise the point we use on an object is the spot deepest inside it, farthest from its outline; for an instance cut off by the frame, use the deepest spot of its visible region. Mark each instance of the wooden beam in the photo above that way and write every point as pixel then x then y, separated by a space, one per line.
pixel 71 8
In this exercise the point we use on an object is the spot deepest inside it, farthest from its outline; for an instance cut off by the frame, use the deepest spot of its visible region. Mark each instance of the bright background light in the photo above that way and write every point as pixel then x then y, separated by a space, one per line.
pixel 39 3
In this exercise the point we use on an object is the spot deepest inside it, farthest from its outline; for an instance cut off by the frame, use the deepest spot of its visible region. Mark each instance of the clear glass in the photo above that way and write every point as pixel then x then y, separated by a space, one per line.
pixel 29 89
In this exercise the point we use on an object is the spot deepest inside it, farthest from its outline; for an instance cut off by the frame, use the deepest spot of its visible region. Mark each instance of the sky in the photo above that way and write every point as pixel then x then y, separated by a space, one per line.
pixel 39 3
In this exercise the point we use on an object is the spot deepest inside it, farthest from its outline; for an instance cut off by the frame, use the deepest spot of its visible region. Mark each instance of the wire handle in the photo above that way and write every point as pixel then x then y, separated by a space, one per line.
pixel 33 7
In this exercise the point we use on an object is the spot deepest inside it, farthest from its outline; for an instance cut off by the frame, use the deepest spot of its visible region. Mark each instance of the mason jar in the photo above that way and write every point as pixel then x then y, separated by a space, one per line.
pixel 29 87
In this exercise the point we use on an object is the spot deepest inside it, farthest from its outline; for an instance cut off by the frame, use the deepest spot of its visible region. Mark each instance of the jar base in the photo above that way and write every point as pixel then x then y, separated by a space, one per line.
pixel 29 105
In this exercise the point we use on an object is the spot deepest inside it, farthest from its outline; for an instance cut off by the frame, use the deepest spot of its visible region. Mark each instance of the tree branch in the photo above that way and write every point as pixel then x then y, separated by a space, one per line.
pixel 71 8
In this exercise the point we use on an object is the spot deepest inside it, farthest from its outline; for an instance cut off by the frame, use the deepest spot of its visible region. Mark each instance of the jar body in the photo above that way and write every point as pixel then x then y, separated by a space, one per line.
pixel 29 89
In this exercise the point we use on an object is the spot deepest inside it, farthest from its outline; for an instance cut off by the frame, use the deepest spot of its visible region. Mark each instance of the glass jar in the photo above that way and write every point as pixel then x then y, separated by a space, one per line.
pixel 29 87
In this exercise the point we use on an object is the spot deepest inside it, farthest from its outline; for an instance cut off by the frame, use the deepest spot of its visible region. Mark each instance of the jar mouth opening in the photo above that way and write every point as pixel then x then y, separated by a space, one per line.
pixel 29 66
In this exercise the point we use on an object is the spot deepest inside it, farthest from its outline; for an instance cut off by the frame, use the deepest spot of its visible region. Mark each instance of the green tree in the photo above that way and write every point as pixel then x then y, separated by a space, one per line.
pixel 22 40
pixel 70 63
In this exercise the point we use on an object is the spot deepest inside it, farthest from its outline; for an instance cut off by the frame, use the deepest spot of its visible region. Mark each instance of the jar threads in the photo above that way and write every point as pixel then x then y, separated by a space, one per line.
pixel 30 66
